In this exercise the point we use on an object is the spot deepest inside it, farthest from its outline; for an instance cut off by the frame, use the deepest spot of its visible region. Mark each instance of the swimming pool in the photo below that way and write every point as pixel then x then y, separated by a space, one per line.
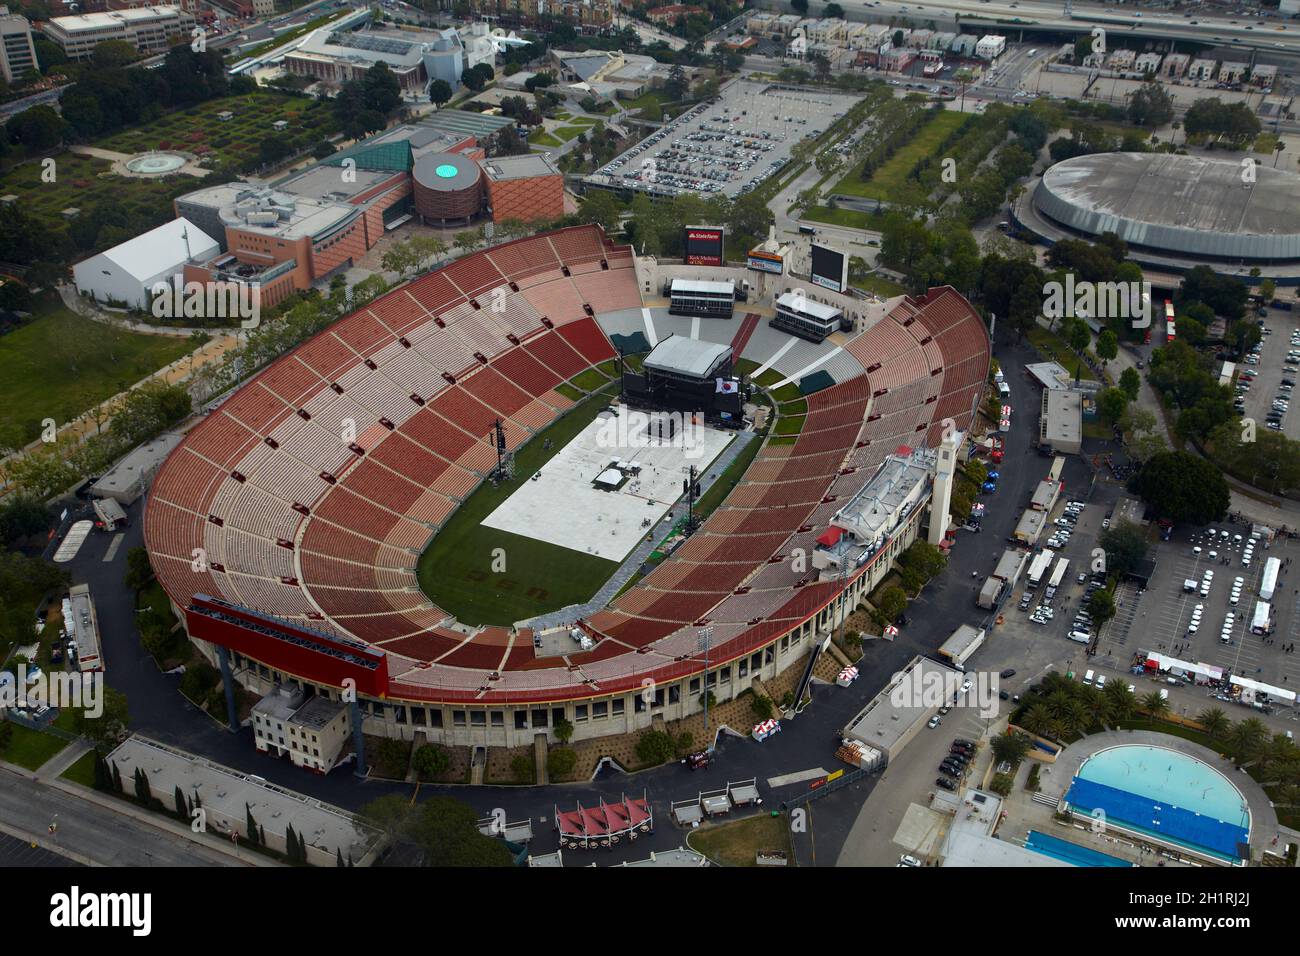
pixel 1071 853
pixel 1165 793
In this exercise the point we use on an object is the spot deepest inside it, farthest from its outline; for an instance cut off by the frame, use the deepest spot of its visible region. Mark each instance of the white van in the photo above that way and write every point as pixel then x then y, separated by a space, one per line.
pixel 1081 637
pixel 1101 681
pixel 1087 678
pixel 1189 585
pixel 1004 389
pixel 1164 694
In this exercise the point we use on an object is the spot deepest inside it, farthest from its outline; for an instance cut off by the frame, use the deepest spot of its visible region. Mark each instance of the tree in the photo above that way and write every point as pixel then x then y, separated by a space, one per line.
pixel 39 128
pixel 440 92
pixel 563 730
pixel 1101 606
pixel 1150 105
pixel 800 7
pixel 523 769
pixel 21 517
pixel 832 11
pixel 444 832
pixel 655 747
pixel 138 569
pixel 430 761
pixel 891 603
pixel 560 762
pixel 1111 404
pixel 601 207
pixel 381 90
pixel 1107 345
pixel 1125 544
pixel 1215 722
pixel 104 731
pixel 1183 487
pixel 1010 748
pixel 1131 382
pixel 141 782
pixel 1153 704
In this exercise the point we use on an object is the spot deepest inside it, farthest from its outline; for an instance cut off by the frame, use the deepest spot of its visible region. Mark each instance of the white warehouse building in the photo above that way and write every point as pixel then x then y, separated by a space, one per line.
pixel 128 272
pixel 990 47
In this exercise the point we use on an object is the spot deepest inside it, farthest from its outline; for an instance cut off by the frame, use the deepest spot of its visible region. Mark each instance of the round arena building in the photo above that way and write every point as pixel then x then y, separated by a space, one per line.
pixel 448 187
pixel 1175 212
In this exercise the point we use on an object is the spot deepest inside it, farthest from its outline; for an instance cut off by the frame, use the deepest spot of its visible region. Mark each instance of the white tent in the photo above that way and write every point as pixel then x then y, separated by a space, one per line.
pixel 127 272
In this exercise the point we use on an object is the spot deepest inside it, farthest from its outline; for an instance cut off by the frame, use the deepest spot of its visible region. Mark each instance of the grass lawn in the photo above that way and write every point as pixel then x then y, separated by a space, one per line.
pixel 890 181
pixel 786 393
pixel 539 137
pixel 797 407
pixel 567 133
pixel 650 105
pixel 82 771
pixel 789 426
pixel 881 286
pixel 1265 143
pixel 770 378
pixel 848 218
pixel 569 392
pixel 589 380
pixel 59 365
pixel 457 569
pixel 31 748
pixel 1054 347
pixel 738 843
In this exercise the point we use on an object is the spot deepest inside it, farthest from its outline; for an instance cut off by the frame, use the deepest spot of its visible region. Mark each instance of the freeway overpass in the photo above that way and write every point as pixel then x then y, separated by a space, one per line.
pixel 1271 34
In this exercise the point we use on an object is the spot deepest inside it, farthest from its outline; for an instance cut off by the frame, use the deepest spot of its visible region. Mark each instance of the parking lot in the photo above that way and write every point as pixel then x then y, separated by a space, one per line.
pixel 726 147
pixel 1262 382
pixel 1057 614
pixel 1160 618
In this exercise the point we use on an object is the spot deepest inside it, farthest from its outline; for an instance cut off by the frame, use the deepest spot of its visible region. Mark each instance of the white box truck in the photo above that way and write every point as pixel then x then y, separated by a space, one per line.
pixel 1259 623
pixel 1268 583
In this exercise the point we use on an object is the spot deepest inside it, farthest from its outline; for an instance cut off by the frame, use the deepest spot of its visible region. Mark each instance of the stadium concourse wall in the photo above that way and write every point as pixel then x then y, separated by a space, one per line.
pixel 466 686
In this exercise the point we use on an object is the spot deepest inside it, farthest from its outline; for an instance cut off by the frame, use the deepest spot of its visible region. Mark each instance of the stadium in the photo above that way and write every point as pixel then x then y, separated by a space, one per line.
pixel 288 528
pixel 1217 217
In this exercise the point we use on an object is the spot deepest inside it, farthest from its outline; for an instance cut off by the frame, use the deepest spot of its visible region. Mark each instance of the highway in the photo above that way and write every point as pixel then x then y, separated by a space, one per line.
pixel 1267 34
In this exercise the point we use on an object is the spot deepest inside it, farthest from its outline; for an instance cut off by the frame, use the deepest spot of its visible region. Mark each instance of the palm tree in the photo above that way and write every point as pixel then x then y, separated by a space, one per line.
pixel 1036 719
pixel 1122 700
pixel 1215 722
pixel 1154 705
pixel 1247 741
pixel 1058 703
pixel 1077 717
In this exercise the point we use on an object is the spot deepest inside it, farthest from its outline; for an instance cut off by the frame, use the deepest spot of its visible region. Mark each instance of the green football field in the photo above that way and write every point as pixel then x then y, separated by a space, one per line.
pixel 461 573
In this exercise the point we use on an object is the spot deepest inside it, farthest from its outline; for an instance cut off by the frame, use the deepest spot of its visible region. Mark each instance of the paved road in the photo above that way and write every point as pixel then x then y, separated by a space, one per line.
pixel 88 831
pixel 1247 32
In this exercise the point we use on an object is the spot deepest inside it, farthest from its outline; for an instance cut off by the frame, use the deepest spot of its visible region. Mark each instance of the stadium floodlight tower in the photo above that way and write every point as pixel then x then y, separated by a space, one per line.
pixel 691 489
pixel 505 467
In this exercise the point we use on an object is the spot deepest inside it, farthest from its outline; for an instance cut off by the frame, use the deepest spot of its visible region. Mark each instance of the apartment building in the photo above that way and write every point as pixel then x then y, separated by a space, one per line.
pixel 17 53
pixel 148 29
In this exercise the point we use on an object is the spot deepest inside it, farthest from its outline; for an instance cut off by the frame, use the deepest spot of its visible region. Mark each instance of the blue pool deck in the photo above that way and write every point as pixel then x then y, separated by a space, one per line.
pixel 1071 853
pixel 1168 795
